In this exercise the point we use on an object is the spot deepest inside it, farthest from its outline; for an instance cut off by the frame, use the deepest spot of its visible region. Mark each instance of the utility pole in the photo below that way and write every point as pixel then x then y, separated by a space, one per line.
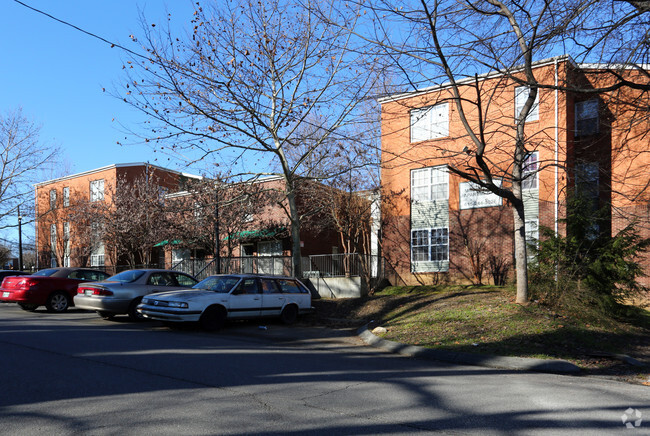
pixel 20 240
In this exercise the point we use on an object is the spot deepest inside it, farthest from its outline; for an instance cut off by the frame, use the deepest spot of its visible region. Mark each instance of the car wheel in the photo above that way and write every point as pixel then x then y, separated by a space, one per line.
pixel 289 314
pixel 134 315
pixel 105 315
pixel 57 302
pixel 213 318
pixel 28 307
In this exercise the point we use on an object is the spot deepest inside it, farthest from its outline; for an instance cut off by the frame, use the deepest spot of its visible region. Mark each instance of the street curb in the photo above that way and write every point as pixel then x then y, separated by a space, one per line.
pixel 490 361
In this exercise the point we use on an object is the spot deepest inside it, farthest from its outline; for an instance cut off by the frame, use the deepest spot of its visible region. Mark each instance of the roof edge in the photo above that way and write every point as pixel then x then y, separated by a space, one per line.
pixel 114 166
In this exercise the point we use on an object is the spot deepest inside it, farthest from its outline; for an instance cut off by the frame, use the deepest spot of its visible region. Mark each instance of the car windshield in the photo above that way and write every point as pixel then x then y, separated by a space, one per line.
pixel 126 276
pixel 222 284
pixel 45 272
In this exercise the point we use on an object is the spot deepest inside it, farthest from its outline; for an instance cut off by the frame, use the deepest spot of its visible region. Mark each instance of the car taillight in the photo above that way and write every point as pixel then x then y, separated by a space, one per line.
pixel 94 291
pixel 24 284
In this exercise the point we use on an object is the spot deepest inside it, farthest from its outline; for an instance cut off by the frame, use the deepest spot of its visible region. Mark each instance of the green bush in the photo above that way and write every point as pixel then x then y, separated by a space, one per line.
pixel 588 265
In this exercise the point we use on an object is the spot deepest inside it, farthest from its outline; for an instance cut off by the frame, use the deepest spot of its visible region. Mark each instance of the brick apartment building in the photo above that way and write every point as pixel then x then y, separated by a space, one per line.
pixel 60 240
pixel 252 227
pixel 437 225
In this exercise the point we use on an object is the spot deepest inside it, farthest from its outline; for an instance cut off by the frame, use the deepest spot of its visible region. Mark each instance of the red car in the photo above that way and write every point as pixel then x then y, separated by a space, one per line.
pixel 52 287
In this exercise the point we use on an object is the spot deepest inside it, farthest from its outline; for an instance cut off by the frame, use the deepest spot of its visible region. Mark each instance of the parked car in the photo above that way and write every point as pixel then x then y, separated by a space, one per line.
pixel 52 287
pixel 121 293
pixel 235 296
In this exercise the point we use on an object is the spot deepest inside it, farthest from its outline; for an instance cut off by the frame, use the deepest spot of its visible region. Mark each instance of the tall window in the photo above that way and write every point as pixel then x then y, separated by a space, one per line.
pixel 96 244
pixel 532 232
pixel 430 184
pixel 430 122
pixel 53 236
pixel 521 95
pixel 587 117
pixel 97 190
pixel 430 245
pixel 52 198
pixel 66 244
pixel 530 171
pixel 66 196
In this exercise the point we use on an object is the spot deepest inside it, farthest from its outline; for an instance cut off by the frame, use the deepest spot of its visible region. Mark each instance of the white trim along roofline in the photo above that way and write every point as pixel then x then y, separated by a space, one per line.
pixel 114 166
pixel 402 95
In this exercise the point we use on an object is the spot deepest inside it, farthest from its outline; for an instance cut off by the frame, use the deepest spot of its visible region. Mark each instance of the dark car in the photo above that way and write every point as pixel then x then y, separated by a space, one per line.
pixel 52 287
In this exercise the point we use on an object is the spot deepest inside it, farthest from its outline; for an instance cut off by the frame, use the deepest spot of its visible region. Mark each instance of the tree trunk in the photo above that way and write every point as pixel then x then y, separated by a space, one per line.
pixel 521 255
pixel 296 258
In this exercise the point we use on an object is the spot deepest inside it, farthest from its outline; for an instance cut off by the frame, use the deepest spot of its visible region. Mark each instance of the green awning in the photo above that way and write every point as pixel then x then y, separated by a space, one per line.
pixel 166 242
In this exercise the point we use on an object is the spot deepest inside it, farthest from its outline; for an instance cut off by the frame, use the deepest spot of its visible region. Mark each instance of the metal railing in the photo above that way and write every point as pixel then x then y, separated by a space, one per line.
pixel 342 265
pixel 322 265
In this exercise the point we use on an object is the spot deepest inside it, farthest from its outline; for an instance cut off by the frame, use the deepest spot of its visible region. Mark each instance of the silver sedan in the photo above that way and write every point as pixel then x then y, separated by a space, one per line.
pixel 121 293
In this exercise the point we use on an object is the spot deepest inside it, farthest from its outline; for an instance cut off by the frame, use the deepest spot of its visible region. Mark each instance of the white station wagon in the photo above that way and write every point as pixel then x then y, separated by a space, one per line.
pixel 235 296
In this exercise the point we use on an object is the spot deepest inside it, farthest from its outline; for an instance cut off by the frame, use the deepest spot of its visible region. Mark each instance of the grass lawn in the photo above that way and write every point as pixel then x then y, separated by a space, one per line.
pixel 485 319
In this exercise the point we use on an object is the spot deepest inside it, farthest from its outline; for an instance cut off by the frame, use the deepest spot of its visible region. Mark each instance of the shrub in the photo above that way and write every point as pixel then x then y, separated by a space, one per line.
pixel 588 264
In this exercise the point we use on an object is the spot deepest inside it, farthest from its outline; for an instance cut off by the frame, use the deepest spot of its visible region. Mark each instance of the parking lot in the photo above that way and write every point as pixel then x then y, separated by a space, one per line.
pixel 76 373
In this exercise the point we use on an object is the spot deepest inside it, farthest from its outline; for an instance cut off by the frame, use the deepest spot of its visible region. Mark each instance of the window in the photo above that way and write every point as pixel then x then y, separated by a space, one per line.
pixel 53 236
pixel 269 287
pixel 66 244
pixel 430 184
pixel 291 287
pixel 430 245
pixel 66 196
pixel 269 248
pixel 521 95
pixel 184 280
pixel 52 198
pixel 430 122
pixel 530 171
pixel 587 117
pixel 532 232
pixel 161 279
pixel 97 245
pixel 97 190
pixel 97 257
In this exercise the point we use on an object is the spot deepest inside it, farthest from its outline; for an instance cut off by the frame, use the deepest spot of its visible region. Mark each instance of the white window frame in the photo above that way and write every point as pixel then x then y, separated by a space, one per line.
pixel 269 248
pixel 430 122
pixel 521 95
pixel 53 236
pixel 586 111
pixel 66 196
pixel 430 245
pixel 52 198
pixel 532 232
pixel 429 184
pixel 97 190
pixel 530 171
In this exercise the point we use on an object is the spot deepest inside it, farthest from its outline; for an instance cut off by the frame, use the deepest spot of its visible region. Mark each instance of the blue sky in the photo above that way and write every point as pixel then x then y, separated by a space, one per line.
pixel 56 74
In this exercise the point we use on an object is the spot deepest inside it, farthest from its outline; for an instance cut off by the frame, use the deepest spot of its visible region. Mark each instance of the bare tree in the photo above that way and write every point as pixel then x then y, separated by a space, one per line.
pixel 452 42
pixel 133 222
pixel 212 206
pixel 22 158
pixel 247 86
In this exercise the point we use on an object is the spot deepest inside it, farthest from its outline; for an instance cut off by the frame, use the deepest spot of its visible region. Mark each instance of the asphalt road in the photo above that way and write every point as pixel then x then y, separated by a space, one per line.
pixel 78 374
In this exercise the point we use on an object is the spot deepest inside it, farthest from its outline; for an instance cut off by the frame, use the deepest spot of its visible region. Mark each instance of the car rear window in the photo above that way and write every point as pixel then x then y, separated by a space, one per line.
pixel 45 272
pixel 129 276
